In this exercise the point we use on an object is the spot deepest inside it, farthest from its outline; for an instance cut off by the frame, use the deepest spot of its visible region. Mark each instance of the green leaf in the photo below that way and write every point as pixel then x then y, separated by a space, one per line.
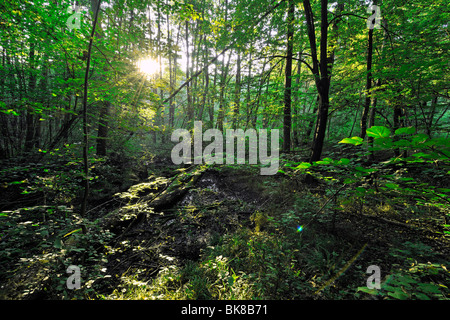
pixel 303 165
pixel 344 161
pixel 420 138
pixel 10 111
pixel 398 295
pixel 356 141
pixel 360 190
pixel 422 296
pixel 429 288
pixel 392 185
pixel 421 155
pixel 18 182
pixel 407 130
pixel 324 161
pixel 402 143
pixel 378 132
pixel 57 244
pixel 362 169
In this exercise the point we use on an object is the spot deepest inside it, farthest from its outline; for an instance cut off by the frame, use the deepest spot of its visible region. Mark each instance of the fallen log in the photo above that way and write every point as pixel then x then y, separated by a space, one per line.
pixel 137 211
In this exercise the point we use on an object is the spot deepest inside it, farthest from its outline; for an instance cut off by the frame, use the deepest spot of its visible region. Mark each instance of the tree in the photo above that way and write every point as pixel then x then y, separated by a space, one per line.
pixel 96 9
pixel 287 123
pixel 321 73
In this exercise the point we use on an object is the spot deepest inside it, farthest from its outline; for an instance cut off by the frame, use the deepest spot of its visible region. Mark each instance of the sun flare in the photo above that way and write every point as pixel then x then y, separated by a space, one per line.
pixel 148 66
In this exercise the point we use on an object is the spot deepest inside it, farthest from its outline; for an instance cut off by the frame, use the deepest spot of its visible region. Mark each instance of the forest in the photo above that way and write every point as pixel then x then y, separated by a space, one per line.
pixel 224 150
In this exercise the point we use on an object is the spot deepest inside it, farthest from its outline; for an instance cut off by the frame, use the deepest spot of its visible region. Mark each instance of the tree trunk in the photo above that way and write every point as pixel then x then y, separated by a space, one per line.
pixel 30 129
pixel 221 113
pixel 102 131
pixel 296 122
pixel 287 121
pixel 373 111
pixel 237 91
pixel 321 73
pixel 190 109
pixel 96 10
pixel 368 86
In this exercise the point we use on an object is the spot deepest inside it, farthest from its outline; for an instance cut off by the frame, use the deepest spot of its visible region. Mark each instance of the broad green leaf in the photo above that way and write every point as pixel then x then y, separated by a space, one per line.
pixel 407 130
pixel 429 288
pixel 402 143
pixel 324 161
pixel 356 141
pixel 303 165
pixel 422 296
pixel 420 138
pixel 398 295
pixel 344 161
pixel 378 132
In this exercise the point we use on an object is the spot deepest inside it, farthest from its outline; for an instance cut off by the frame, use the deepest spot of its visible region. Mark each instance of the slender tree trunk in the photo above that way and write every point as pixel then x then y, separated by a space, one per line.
pixel 171 85
pixel 221 113
pixel 295 120
pixel 206 86
pixel 190 109
pixel 30 129
pixel 96 10
pixel 373 111
pixel 103 123
pixel 174 81
pixel 237 91
pixel 287 122
pixel 368 86
pixel 102 131
pixel 212 105
pixel 249 87
pixel 398 121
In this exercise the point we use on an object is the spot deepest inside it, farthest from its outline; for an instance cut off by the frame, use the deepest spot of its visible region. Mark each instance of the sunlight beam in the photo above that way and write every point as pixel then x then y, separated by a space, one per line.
pixel 148 66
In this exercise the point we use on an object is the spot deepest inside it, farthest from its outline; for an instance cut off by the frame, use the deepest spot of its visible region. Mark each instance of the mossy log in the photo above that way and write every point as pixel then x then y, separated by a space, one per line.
pixel 139 207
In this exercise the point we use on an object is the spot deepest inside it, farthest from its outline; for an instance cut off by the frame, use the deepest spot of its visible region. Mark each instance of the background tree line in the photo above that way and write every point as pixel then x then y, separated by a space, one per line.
pixel 312 69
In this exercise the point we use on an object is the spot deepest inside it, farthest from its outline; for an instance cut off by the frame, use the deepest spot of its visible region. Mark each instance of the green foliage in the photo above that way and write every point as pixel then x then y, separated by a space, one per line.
pixel 378 132
pixel 41 87
pixel 45 240
pixel 415 280
pixel 422 148
pixel 353 140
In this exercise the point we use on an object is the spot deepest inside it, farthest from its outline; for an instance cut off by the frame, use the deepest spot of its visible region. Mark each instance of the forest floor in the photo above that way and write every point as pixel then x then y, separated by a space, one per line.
pixel 226 232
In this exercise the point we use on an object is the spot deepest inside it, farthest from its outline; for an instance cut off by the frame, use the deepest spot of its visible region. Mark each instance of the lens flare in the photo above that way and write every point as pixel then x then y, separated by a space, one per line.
pixel 300 228
pixel 148 66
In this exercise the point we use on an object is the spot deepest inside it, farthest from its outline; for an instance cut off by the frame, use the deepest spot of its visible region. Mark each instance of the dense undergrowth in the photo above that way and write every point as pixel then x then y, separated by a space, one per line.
pixel 225 232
